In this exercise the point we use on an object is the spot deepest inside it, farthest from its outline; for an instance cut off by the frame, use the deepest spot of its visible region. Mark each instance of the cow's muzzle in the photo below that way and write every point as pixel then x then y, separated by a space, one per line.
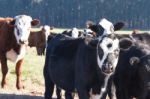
pixel 23 41
pixel 107 69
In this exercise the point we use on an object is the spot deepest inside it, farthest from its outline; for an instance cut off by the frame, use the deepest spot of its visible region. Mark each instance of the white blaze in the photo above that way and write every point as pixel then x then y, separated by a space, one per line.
pixel 106 50
pixel 47 31
pixel 107 25
pixel 22 27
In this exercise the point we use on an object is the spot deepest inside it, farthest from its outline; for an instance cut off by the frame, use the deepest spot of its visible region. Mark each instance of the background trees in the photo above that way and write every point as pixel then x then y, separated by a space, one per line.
pixel 71 13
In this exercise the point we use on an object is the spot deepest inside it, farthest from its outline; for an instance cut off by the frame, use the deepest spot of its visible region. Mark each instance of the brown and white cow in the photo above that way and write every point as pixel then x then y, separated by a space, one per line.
pixel 14 33
pixel 38 39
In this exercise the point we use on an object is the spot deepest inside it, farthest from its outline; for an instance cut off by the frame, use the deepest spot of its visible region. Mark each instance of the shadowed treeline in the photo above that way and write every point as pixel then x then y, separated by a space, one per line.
pixel 70 13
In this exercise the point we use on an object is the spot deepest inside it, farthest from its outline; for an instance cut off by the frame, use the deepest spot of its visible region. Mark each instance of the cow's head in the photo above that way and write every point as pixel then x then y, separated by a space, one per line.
pixel 140 57
pixel 22 26
pixel 75 33
pixel 108 49
pixel 105 27
pixel 46 30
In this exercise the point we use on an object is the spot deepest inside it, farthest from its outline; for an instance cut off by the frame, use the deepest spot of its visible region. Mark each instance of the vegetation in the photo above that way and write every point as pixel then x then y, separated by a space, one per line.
pixel 71 13
pixel 32 75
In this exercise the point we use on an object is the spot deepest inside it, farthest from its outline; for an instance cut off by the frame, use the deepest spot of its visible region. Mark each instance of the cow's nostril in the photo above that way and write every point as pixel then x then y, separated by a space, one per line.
pixel 103 68
pixel 111 68
pixel 23 41
pixel 107 69
pixel 20 41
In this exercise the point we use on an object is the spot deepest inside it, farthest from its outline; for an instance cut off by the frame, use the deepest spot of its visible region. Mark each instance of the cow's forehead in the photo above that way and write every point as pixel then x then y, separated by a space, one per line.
pixel 23 19
pixel 107 41
pixel 105 24
pixel 46 27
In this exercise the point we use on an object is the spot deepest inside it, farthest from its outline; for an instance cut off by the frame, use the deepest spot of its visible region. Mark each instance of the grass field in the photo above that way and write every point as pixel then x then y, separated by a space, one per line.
pixel 32 75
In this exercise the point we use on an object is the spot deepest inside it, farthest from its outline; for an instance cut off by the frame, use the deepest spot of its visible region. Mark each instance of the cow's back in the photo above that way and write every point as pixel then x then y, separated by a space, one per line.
pixel 7 37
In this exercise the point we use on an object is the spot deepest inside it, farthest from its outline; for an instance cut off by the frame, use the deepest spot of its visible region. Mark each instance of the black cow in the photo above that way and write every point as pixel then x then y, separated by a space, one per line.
pixel 84 64
pixel 142 37
pixel 132 74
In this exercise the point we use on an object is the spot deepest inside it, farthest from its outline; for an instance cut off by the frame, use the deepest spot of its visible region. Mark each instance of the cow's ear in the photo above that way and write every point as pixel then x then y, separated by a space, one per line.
pixel 89 23
pixel 118 26
pixel 92 43
pixel 93 28
pixel 12 23
pixel 125 43
pixel 35 22
pixel 134 60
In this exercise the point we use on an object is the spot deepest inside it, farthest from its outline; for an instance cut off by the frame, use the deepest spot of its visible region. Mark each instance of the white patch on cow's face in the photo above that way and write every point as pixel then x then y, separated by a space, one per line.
pixel 102 91
pixel 113 49
pixel 22 28
pixel 47 31
pixel 75 33
pixel 14 57
pixel 107 25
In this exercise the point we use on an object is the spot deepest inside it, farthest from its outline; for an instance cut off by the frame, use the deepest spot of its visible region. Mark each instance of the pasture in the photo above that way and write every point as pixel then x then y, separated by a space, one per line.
pixel 32 76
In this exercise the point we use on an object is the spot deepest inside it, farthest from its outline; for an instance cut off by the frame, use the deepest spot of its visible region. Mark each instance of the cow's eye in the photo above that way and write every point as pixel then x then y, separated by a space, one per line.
pixel 109 45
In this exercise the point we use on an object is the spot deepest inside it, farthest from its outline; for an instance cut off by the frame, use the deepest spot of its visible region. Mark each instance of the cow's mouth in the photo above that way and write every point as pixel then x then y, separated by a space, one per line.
pixel 23 42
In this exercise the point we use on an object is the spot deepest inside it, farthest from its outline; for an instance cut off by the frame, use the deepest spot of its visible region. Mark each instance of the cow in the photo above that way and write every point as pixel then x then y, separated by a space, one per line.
pixel 141 40
pixel 74 32
pixel 132 75
pixel 38 39
pixel 139 37
pixel 14 33
pixel 83 64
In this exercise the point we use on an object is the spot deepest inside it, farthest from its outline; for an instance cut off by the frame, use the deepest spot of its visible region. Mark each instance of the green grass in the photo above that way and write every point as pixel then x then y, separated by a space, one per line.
pixel 32 73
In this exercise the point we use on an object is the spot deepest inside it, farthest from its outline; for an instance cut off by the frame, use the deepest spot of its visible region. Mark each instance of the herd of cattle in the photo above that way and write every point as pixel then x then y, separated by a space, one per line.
pixel 93 63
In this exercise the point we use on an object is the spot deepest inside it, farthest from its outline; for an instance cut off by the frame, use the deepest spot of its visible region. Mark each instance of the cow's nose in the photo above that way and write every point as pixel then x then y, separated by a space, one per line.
pixel 107 68
pixel 23 41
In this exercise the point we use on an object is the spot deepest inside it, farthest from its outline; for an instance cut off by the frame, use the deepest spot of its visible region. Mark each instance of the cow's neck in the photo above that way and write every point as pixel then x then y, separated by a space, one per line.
pixel 98 91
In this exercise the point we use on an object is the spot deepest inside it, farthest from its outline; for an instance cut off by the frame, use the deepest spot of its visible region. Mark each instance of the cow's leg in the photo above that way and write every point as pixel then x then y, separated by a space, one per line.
pixel 143 94
pixel 58 93
pixel 83 93
pixel 68 95
pixel 49 85
pixel 18 74
pixel 4 68
pixel 38 49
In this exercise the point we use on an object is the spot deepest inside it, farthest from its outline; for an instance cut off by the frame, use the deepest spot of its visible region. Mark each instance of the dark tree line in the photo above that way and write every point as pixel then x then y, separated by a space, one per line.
pixel 71 13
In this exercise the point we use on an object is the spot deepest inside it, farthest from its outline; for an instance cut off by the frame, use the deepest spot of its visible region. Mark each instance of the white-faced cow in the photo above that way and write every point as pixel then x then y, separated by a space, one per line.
pixel 84 64
pixel 38 39
pixel 13 40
